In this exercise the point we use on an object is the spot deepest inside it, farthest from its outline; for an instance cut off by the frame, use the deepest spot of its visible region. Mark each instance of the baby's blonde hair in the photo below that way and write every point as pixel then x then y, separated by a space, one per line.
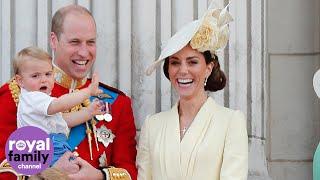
pixel 28 54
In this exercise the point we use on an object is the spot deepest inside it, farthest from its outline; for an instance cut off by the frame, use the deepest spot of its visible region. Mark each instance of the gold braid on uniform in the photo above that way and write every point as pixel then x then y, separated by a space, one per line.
pixel 65 80
pixel 117 173
pixel 6 168
pixel 15 90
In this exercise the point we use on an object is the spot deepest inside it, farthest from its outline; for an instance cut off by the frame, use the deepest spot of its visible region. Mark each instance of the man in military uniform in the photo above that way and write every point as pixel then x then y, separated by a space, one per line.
pixel 106 142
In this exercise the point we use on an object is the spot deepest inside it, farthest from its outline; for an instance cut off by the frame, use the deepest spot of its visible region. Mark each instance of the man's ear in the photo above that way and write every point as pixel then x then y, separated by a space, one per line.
pixel 19 80
pixel 53 40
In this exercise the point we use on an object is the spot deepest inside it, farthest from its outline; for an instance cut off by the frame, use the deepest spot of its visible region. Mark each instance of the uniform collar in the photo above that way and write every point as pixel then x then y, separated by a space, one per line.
pixel 66 81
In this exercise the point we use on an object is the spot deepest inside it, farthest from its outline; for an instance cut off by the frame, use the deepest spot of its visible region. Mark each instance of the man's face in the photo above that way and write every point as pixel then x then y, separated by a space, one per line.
pixel 75 49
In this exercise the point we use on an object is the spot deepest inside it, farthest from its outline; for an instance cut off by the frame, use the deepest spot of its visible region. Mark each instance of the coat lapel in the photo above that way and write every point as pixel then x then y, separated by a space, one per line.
pixel 194 136
pixel 171 145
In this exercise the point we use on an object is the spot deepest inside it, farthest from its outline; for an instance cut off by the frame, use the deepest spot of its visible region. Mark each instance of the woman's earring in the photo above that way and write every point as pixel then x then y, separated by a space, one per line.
pixel 205 81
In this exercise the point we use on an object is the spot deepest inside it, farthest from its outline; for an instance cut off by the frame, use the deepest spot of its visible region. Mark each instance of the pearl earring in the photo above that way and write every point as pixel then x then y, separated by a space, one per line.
pixel 205 81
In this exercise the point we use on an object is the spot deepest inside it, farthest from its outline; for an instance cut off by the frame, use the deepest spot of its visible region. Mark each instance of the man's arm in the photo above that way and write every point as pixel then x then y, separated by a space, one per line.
pixel 8 123
pixel 124 147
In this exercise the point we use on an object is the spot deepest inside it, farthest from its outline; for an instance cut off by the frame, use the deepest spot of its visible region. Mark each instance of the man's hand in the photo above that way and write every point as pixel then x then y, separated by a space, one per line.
pixel 67 163
pixel 87 171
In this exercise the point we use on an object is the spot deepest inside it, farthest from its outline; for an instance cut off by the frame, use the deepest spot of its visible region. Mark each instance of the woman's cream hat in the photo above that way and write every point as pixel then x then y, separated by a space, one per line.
pixel 316 83
pixel 209 33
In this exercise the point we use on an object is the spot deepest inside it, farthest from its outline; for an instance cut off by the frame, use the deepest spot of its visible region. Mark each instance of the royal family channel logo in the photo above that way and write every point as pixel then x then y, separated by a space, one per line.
pixel 29 150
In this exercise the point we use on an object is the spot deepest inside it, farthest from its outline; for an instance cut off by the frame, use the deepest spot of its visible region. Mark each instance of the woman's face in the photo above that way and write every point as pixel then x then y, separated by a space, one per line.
pixel 187 72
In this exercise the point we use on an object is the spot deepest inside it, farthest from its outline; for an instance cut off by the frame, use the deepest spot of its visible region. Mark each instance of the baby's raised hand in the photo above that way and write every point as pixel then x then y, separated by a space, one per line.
pixel 94 86
pixel 97 107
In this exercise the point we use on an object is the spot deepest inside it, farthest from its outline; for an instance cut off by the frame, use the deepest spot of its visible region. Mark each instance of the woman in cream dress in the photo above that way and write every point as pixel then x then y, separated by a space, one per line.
pixel 197 139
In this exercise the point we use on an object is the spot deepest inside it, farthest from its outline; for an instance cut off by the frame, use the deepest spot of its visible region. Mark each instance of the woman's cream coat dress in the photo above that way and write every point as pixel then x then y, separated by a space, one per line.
pixel 214 147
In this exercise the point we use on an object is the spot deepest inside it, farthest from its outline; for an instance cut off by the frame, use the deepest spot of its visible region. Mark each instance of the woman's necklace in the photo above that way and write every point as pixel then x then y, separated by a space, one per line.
pixel 184 130
pixel 184 125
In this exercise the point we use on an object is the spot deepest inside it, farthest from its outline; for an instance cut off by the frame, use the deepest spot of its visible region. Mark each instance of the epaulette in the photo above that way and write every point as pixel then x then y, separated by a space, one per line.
pixel 15 90
pixel 112 89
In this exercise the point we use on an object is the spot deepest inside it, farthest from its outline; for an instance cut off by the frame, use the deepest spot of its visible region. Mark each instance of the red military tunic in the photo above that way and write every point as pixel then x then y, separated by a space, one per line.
pixel 120 153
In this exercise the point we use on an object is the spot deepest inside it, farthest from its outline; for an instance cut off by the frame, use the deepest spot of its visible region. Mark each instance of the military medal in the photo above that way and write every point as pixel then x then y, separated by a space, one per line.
pixel 107 116
pixel 105 135
pixel 99 117
pixel 103 96
pixel 103 160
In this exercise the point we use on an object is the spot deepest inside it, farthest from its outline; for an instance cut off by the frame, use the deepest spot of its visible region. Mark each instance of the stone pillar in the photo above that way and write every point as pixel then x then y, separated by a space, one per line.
pixel 246 71
pixel 105 14
pixel 6 49
pixel 143 54
pixel 293 58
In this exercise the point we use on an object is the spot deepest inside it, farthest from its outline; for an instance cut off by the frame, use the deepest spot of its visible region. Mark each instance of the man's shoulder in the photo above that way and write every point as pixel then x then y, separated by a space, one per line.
pixel 9 97
pixel 9 90
pixel 4 89
pixel 112 89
